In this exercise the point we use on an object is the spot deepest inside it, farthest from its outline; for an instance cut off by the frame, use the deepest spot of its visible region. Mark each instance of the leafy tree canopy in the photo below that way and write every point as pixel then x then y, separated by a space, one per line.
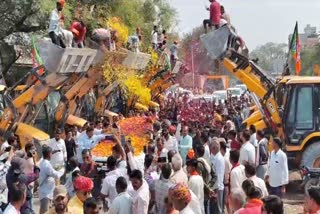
pixel 133 13
pixel 272 56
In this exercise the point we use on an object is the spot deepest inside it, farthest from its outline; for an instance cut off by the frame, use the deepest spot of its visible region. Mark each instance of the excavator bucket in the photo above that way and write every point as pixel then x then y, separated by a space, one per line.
pixel 76 121
pixel 65 60
pixel 216 41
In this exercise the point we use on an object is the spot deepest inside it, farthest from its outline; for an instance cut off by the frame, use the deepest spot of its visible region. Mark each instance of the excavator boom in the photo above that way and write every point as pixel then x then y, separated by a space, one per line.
pixel 248 72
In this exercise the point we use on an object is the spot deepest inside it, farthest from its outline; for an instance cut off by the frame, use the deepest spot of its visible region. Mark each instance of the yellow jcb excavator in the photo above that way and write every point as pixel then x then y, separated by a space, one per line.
pixel 27 105
pixel 289 108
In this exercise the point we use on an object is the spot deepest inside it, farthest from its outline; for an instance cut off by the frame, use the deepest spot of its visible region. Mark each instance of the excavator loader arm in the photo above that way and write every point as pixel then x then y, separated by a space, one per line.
pixel 217 44
pixel 17 108
pixel 101 104
pixel 61 65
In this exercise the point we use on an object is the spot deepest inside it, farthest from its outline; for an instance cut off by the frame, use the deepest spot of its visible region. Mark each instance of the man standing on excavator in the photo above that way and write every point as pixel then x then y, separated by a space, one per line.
pixel 54 25
pixel 215 13
pixel 215 16
pixel 79 31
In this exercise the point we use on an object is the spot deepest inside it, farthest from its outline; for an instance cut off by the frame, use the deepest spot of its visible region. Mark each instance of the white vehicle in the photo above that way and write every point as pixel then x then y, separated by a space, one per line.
pixel 205 98
pixel 176 90
pixel 242 87
pixel 221 95
pixel 234 92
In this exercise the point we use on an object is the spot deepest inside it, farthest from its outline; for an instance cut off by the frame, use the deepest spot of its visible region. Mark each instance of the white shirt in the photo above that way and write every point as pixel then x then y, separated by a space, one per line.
pixel 136 162
pixel 154 37
pixel 278 169
pixel 218 163
pixel 11 210
pixel 253 139
pixel 69 183
pixel 247 153
pixel 122 166
pixel 84 142
pixel 227 166
pixel 174 51
pixel 141 198
pixel 4 167
pixel 196 185
pixel 258 182
pixel 179 177
pixel 97 131
pixel 187 210
pixel 4 145
pixel 54 25
pixel 122 204
pixel 171 143
pixel 226 17
pixel 194 207
pixel 58 159
pixel 163 153
pixel 47 179
pixel 237 176
pixel 109 184
pixel 206 155
pixel 161 189
pixel 161 39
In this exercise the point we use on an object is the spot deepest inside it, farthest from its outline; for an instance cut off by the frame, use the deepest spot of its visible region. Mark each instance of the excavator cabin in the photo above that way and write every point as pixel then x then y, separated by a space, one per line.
pixel 300 117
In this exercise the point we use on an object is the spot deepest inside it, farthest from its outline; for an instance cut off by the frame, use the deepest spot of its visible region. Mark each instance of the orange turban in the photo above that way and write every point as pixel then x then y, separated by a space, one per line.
pixel 180 192
pixel 191 153
pixel 61 2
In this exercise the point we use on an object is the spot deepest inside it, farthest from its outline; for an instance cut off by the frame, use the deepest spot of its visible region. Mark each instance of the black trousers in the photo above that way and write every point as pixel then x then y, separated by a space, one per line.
pixel 56 39
pixel 207 23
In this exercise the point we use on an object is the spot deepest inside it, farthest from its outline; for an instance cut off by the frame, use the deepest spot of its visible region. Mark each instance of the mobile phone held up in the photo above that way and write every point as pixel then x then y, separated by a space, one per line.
pixel 8 149
pixel 123 140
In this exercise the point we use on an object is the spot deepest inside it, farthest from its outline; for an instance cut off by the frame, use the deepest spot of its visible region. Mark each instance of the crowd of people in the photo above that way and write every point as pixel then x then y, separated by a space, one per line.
pixel 209 166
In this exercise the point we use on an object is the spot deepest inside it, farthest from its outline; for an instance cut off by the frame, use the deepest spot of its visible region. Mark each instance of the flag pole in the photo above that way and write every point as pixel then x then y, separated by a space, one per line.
pixel 192 65
pixel 288 60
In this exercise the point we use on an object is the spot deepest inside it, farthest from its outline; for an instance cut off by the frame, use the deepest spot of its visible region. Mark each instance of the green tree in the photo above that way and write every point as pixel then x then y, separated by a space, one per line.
pixel 134 13
pixel 167 14
pixel 309 57
pixel 271 56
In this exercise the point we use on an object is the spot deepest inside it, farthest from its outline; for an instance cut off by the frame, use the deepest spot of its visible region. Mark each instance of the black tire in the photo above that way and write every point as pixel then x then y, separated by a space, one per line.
pixel 310 154
pixel 311 182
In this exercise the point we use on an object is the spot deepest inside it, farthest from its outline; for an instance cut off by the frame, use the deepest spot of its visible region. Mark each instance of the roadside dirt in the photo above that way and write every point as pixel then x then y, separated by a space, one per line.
pixel 294 197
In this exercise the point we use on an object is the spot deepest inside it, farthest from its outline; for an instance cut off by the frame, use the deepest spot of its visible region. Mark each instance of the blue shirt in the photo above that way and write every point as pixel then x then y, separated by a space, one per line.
pixel 185 145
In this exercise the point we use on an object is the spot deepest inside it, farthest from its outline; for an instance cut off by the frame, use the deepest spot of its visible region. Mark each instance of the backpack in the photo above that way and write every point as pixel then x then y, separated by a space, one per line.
pixel 263 153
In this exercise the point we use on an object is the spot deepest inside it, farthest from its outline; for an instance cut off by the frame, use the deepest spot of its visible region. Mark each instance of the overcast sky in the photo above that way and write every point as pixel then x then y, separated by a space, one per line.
pixel 257 21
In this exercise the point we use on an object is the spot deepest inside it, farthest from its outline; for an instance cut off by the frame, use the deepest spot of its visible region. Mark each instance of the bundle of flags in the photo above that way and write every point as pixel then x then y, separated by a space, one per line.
pixel 36 59
pixel 295 49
